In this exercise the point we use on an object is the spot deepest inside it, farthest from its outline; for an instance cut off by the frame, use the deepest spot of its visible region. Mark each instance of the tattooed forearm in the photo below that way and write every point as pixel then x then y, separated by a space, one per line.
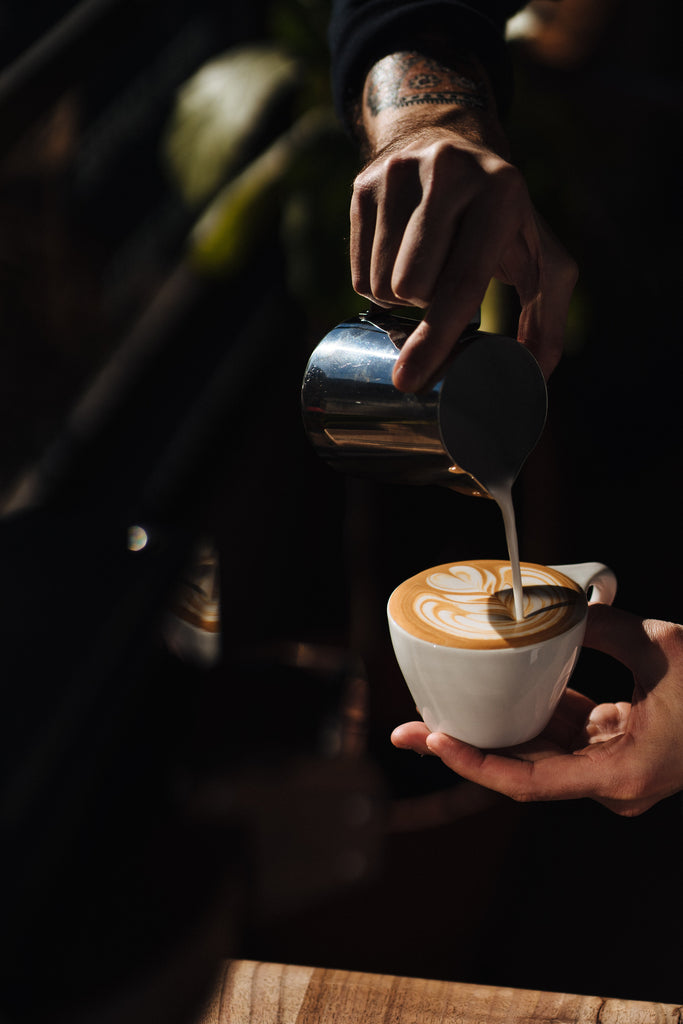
pixel 412 79
pixel 410 91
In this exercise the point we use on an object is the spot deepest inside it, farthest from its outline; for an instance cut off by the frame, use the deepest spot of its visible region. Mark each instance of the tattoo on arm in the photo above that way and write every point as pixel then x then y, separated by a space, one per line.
pixel 411 79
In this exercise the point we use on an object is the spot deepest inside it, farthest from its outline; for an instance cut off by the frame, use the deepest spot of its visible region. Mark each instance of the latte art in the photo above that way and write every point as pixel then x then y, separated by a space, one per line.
pixel 471 604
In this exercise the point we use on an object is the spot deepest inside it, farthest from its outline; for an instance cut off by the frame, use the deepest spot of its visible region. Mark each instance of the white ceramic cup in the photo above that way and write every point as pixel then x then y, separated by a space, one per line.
pixel 497 698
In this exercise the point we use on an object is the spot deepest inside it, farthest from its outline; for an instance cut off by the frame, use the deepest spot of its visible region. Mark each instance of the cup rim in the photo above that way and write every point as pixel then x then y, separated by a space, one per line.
pixel 511 649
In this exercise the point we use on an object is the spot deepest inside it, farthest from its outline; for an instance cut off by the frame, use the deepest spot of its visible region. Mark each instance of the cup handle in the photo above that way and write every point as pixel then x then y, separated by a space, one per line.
pixel 596 579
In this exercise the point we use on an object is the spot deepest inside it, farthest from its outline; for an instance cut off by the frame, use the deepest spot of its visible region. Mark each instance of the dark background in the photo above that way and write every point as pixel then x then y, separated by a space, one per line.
pixel 117 879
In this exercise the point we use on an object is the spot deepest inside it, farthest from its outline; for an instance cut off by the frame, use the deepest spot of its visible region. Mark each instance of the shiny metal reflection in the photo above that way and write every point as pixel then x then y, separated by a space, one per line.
pixel 471 431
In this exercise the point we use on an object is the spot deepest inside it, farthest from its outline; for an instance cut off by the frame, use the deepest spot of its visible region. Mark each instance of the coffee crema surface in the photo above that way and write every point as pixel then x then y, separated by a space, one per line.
pixel 471 605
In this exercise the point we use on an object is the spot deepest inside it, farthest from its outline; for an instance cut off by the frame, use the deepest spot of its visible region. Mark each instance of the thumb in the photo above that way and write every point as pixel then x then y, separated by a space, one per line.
pixel 617 633
pixel 545 300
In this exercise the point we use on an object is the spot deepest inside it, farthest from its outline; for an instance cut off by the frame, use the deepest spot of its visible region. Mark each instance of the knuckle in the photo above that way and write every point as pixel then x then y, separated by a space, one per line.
pixel 409 286
pixel 507 179
pixel 667 635
pixel 362 203
pixel 631 793
pixel 364 190
pixel 444 162
pixel 524 794
pixel 396 161
pixel 632 811
pixel 360 278
pixel 524 797
pixel 361 285
pixel 444 156
pixel 380 289
pixel 397 168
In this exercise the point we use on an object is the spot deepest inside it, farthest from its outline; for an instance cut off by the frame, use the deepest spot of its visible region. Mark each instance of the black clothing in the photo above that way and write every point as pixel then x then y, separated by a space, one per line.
pixel 363 31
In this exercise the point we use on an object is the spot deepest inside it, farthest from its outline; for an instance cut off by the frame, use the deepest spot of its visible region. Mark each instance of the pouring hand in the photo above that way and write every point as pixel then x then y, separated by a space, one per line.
pixel 437 213
pixel 625 756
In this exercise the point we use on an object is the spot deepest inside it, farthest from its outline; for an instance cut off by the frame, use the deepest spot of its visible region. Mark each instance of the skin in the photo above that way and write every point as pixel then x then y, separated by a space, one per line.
pixel 438 211
pixel 626 756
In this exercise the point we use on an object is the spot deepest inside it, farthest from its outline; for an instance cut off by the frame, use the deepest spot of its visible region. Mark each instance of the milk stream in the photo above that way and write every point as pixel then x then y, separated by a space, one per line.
pixel 502 495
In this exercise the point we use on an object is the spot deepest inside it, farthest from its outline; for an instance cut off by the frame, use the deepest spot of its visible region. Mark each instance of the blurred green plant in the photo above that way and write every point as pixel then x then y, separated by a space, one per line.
pixel 254 146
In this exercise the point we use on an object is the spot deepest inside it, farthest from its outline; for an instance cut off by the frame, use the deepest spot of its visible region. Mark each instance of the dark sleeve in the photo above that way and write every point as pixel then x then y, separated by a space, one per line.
pixel 363 31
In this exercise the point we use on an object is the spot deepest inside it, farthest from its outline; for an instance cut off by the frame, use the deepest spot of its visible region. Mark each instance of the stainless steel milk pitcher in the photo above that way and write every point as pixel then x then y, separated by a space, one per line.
pixel 471 431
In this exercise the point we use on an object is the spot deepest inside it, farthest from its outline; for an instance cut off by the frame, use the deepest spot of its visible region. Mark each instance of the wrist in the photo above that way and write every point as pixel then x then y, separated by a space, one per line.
pixel 408 93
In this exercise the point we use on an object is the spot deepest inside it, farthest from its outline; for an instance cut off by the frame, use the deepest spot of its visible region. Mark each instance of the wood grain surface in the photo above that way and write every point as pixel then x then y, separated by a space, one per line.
pixel 263 993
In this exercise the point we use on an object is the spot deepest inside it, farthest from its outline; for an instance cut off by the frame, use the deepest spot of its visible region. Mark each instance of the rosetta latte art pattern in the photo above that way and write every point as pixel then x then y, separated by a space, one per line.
pixel 471 604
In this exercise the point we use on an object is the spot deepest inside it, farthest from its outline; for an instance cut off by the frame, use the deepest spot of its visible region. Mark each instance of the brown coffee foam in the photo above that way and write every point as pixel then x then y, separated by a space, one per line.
pixel 472 606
